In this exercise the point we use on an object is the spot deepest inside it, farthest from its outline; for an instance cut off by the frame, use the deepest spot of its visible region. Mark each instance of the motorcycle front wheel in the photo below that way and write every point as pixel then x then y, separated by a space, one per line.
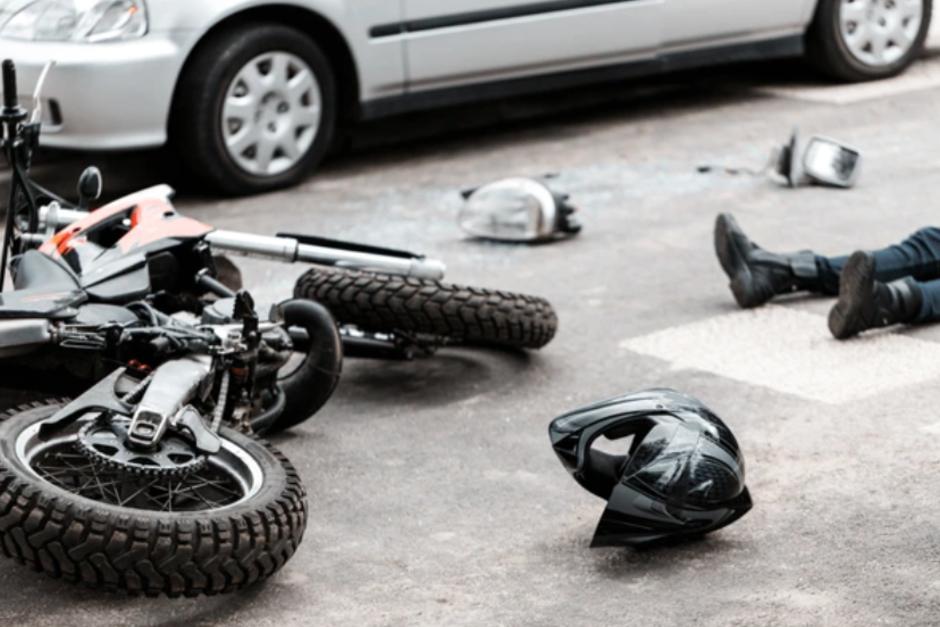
pixel 382 303
pixel 217 528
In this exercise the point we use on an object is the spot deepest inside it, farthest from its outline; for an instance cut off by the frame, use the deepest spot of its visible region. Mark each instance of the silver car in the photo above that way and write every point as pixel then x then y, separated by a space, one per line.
pixel 249 92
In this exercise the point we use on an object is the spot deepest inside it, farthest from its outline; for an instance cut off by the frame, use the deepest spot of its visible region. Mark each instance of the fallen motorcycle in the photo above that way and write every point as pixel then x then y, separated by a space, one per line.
pixel 152 479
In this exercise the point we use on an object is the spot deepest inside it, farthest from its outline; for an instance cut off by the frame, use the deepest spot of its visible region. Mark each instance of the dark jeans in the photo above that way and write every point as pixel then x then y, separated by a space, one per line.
pixel 917 257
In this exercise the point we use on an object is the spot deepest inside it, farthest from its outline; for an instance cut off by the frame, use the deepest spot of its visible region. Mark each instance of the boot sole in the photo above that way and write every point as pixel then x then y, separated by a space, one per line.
pixel 855 290
pixel 732 260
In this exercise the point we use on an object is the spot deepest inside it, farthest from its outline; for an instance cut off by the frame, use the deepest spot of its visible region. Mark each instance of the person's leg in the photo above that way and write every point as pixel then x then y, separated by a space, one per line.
pixel 865 302
pixel 757 275
pixel 917 257
pixel 930 308
pixel 830 271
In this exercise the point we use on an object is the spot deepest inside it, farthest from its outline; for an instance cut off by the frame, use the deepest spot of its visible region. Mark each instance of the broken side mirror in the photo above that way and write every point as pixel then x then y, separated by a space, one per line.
pixel 828 162
pixel 821 161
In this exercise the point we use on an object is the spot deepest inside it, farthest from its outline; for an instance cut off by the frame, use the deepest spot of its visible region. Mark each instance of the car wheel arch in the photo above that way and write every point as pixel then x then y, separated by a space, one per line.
pixel 320 29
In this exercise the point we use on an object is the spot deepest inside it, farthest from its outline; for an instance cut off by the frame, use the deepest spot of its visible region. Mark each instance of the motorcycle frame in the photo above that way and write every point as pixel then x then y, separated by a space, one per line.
pixel 48 219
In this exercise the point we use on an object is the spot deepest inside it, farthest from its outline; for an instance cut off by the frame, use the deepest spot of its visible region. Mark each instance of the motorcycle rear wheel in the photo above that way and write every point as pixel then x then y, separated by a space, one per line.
pixel 382 303
pixel 233 535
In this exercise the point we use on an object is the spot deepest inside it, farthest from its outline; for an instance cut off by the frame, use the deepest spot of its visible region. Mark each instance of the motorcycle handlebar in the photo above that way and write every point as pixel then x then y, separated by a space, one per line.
pixel 10 96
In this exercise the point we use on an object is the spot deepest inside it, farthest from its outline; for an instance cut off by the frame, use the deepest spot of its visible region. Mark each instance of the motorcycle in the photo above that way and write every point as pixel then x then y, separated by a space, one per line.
pixel 151 477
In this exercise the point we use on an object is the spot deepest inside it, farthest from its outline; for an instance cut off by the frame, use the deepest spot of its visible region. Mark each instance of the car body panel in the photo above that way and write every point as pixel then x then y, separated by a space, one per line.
pixel 379 63
pixel 699 22
pixel 487 47
pixel 109 96
pixel 89 79
pixel 408 54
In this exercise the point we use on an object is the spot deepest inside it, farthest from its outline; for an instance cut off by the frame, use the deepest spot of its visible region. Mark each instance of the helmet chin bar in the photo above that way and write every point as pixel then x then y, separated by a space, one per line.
pixel 682 476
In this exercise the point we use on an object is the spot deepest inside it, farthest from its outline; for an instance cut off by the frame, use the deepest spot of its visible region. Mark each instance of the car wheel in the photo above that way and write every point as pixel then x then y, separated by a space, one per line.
pixel 255 109
pixel 858 40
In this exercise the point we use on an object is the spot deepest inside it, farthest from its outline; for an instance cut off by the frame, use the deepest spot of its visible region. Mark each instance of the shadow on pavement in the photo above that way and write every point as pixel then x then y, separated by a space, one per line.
pixel 625 563
pixel 59 598
pixel 444 378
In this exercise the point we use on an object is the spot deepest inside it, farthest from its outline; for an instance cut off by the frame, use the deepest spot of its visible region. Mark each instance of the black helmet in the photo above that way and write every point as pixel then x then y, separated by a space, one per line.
pixel 684 474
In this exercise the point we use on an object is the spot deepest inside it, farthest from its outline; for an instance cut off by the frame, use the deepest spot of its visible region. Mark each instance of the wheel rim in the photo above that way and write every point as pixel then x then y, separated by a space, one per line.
pixel 231 477
pixel 271 113
pixel 880 32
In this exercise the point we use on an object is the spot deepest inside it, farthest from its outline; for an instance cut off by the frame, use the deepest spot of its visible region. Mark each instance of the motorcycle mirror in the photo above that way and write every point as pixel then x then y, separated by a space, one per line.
pixel 517 210
pixel 820 160
pixel 89 187
pixel 829 162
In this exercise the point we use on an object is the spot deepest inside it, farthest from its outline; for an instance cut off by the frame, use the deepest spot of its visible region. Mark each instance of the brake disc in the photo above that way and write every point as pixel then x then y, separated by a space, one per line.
pixel 105 442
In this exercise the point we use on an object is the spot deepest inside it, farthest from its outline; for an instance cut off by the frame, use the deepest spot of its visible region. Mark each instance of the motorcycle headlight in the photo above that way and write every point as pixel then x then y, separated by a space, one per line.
pixel 89 21
pixel 517 210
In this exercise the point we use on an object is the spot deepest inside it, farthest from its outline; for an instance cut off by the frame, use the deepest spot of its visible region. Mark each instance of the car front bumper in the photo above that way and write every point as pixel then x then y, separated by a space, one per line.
pixel 101 96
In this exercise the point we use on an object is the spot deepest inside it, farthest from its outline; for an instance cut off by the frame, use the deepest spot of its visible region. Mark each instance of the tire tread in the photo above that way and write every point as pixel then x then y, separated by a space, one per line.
pixel 186 557
pixel 464 315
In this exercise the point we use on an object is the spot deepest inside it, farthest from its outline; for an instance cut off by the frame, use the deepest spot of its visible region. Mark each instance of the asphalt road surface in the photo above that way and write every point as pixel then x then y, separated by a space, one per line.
pixel 435 498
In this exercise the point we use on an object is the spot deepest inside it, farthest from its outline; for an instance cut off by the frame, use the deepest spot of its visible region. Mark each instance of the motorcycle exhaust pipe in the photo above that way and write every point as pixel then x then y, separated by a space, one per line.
pixel 292 250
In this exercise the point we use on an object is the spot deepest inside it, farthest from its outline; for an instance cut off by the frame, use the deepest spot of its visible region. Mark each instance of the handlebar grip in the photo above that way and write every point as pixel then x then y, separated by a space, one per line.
pixel 10 97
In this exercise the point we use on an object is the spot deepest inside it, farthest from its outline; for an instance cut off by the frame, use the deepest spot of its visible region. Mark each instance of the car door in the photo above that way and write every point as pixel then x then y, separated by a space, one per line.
pixel 469 41
pixel 691 22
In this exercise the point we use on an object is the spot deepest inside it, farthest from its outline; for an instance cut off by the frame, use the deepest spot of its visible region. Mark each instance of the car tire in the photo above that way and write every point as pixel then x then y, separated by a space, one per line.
pixel 834 48
pixel 226 80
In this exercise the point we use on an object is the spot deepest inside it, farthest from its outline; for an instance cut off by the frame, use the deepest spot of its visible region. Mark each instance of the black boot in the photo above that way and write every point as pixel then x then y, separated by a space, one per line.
pixel 865 303
pixel 756 274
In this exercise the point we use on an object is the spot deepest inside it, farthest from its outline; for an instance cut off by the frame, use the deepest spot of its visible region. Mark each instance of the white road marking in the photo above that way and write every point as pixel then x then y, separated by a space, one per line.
pixel 792 351
pixel 933 429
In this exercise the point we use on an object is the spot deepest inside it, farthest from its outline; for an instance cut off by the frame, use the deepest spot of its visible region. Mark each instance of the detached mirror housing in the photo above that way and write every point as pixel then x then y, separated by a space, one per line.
pixel 829 162
pixel 517 210
pixel 820 161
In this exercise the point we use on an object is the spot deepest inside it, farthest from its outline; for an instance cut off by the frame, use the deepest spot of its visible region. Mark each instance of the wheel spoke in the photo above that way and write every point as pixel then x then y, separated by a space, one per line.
pixel 239 108
pixel 290 149
pixel 278 76
pixel 854 11
pixel 242 141
pixel 300 85
pixel 879 44
pixel 860 36
pixel 307 117
pixel 265 153
pixel 257 80
pixel 900 36
pixel 910 9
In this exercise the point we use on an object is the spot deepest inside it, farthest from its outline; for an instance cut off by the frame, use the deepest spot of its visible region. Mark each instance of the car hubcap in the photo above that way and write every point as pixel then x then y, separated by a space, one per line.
pixel 271 114
pixel 880 32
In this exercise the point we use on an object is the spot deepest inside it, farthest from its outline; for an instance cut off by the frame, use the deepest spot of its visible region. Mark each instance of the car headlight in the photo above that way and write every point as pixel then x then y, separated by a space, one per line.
pixel 73 20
